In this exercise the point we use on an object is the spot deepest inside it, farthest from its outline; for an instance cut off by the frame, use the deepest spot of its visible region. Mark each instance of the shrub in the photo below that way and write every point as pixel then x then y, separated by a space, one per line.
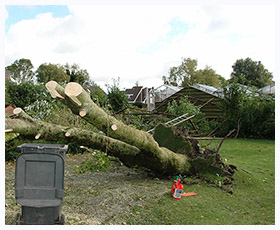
pixel 255 113
pixel 25 94
pixel 183 106
pixel 96 162
pixel 117 98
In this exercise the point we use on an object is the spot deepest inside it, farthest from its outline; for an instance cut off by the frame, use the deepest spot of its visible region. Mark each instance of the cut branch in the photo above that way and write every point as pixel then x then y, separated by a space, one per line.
pixel 37 136
pixel 50 132
pixel 51 87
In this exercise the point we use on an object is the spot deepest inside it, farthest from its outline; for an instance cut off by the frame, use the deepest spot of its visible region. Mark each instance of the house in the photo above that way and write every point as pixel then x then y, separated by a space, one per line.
pixel 150 96
pixel 200 95
pixel 138 94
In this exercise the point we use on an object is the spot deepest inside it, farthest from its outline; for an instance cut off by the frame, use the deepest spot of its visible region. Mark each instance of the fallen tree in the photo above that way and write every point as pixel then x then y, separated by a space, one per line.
pixel 164 153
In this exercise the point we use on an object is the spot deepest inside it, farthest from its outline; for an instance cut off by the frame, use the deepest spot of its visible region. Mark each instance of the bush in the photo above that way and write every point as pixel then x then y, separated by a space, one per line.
pixel 25 94
pixel 117 98
pixel 255 113
pixel 184 106
pixel 96 162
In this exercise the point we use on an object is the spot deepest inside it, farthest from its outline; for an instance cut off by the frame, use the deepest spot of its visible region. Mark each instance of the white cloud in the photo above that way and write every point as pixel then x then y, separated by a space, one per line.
pixel 135 43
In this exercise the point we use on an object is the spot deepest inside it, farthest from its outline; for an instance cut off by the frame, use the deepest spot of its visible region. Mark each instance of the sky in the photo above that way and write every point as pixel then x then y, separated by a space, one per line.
pixel 140 42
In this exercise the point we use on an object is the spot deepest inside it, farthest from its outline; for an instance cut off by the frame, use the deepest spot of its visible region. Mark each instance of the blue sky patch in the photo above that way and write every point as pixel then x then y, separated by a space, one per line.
pixel 178 27
pixel 18 13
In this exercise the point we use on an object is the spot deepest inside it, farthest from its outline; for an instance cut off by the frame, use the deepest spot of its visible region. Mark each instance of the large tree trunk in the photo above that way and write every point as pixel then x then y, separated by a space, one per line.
pixel 32 129
pixel 131 146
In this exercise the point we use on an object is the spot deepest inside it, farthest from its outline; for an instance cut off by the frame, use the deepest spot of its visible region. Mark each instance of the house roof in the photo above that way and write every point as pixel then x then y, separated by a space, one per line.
pixel 207 89
pixel 165 87
pixel 269 89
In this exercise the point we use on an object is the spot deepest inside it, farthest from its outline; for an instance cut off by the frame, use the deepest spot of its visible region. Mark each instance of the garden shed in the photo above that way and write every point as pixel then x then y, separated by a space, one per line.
pixel 200 95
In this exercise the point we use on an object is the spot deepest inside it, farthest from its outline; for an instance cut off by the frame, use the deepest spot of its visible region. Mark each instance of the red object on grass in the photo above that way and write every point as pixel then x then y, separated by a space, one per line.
pixel 177 189
pixel 189 194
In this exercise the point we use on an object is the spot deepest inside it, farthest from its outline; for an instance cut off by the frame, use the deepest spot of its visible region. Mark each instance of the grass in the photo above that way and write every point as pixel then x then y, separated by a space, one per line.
pixel 132 196
pixel 252 202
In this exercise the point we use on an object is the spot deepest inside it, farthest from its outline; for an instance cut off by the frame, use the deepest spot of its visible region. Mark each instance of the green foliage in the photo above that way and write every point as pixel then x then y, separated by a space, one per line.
pixel 11 155
pixel 76 74
pixel 48 72
pixel 21 71
pixel 182 106
pixel 40 109
pixel 10 136
pixel 183 74
pixel 138 104
pixel 25 94
pixel 95 162
pixel 249 72
pixel 208 76
pixel 117 98
pixel 98 96
pixel 187 74
pixel 255 113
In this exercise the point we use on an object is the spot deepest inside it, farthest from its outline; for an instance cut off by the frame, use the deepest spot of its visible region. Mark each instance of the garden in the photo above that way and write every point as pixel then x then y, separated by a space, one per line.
pixel 116 173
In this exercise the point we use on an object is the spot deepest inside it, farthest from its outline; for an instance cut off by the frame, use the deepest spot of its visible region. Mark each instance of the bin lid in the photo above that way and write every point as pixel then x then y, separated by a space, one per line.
pixel 43 148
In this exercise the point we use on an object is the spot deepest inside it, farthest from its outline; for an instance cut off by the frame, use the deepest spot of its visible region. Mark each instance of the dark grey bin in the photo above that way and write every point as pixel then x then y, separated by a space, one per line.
pixel 39 183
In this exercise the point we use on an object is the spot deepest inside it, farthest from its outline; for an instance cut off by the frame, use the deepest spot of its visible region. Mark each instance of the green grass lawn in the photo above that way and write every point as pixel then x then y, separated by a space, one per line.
pixel 252 201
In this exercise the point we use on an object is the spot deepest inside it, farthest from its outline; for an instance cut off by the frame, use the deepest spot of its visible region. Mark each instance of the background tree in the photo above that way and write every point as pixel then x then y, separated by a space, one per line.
pixel 76 74
pixel 183 74
pixel 117 98
pixel 208 76
pixel 249 72
pixel 21 71
pixel 48 72
pixel 187 74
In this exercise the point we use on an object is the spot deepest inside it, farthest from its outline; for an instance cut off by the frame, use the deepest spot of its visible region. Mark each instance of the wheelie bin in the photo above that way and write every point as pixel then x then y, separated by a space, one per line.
pixel 39 183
